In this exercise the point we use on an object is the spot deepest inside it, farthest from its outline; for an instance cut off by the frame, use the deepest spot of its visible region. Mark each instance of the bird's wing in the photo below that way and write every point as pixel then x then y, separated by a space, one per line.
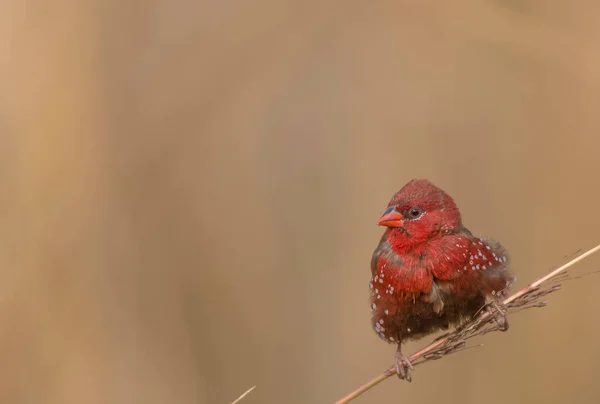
pixel 471 262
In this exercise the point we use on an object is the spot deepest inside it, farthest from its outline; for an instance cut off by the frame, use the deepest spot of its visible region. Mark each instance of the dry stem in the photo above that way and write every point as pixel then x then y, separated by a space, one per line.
pixel 243 395
pixel 482 324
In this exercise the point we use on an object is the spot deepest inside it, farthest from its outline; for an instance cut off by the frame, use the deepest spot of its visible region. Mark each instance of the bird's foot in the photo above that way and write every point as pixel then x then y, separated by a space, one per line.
pixel 498 312
pixel 403 366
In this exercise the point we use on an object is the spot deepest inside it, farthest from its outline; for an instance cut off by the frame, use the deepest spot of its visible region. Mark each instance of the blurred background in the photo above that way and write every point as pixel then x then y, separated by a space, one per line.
pixel 189 192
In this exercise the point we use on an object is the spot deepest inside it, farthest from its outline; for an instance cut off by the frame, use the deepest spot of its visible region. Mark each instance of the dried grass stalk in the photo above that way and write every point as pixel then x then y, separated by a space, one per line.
pixel 237 400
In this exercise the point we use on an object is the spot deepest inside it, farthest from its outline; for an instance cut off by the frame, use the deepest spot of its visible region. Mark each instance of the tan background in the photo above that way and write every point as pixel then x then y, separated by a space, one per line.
pixel 189 192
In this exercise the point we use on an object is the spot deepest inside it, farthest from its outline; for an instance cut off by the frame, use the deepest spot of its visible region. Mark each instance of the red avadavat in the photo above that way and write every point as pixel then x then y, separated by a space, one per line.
pixel 429 272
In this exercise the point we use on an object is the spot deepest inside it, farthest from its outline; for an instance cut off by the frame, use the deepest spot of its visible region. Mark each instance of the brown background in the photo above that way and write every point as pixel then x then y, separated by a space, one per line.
pixel 189 192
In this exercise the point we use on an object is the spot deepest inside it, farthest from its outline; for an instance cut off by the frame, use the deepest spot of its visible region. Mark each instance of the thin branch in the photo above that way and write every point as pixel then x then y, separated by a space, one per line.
pixel 455 341
pixel 243 395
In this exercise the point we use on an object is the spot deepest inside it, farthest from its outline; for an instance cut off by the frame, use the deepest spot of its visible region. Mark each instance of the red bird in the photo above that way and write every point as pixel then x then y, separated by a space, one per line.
pixel 428 271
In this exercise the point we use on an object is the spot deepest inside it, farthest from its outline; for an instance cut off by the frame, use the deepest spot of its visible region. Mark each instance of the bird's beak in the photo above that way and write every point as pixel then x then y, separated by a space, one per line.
pixel 391 218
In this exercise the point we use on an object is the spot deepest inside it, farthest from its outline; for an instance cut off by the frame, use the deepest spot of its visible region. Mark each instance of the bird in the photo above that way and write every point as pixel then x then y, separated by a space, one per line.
pixel 429 272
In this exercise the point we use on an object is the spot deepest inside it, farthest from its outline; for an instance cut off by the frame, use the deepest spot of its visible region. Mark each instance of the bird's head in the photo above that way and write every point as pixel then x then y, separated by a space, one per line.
pixel 419 212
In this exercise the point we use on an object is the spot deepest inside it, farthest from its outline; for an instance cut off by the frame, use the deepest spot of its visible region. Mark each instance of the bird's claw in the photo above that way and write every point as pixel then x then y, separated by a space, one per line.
pixel 498 313
pixel 403 366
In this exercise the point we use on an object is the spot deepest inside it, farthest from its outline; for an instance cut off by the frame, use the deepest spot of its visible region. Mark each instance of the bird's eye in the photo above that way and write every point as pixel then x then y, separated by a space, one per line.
pixel 414 212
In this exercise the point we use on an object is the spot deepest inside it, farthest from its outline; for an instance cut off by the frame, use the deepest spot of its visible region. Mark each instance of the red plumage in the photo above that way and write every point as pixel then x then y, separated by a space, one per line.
pixel 428 271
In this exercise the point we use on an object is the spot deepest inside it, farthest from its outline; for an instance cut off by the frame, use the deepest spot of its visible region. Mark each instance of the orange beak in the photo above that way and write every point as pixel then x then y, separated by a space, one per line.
pixel 391 218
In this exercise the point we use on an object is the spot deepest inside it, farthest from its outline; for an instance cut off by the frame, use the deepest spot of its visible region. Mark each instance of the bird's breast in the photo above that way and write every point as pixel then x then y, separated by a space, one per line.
pixel 403 275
